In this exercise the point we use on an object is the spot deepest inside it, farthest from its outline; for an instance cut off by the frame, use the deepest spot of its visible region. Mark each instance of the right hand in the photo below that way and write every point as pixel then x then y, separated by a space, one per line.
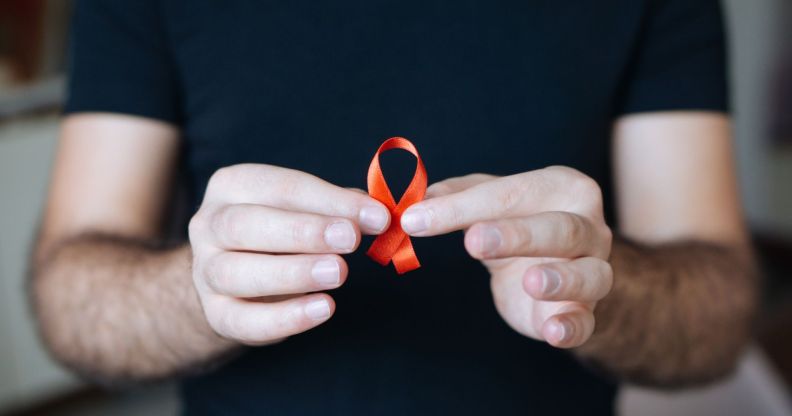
pixel 265 236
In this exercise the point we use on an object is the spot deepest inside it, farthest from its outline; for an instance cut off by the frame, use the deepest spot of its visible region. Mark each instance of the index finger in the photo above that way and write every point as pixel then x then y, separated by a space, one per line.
pixel 506 197
pixel 293 190
pixel 555 188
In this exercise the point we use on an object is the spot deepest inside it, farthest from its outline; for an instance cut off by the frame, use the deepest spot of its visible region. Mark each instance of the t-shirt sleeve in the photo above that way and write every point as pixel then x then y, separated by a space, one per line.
pixel 119 61
pixel 679 62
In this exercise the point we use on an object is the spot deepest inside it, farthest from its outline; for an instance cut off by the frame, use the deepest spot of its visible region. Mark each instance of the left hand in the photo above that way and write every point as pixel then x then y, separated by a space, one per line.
pixel 542 236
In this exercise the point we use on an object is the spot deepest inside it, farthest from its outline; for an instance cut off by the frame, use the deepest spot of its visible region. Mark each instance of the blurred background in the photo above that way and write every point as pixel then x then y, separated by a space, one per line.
pixel 32 62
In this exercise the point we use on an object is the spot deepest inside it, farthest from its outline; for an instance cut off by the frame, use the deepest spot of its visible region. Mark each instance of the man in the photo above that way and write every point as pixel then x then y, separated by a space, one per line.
pixel 271 111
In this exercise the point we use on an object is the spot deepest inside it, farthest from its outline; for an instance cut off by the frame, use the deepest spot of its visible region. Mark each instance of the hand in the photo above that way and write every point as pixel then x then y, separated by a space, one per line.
pixel 541 235
pixel 263 238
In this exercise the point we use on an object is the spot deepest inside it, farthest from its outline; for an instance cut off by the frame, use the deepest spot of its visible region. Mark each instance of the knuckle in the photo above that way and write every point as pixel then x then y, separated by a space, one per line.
pixel 521 235
pixel 480 177
pixel 221 178
pixel 453 214
pixel 607 274
pixel 287 322
pixel 347 205
pixel 219 273
pixel 439 188
pixel 214 321
pixel 570 227
pixel 607 240
pixel 595 276
pixel 588 191
pixel 539 181
pixel 582 329
pixel 306 234
pixel 558 169
pixel 239 329
pixel 282 275
pixel 572 284
pixel 578 231
pixel 218 221
pixel 226 225
pixel 566 173
pixel 512 191
pixel 582 186
pixel 220 321
pixel 196 226
pixel 285 184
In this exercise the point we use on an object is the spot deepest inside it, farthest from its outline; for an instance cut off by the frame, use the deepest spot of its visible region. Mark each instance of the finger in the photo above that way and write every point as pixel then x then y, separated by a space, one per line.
pixel 549 189
pixel 258 323
pixel 294 190
pixel 587 279
pixel 265 229
pixel 459 210
pixel 249 275
pixel 569 329
pixel 460 183
pixel 547 234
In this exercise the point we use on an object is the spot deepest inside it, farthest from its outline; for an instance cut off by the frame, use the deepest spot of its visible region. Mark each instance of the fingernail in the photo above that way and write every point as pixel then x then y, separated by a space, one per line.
pixel 415 220
pixel 326 272
pixel 490 240
pixel 340 236
pixel 560 331
pixel 373 218
pixel 318 310
pixel 551 281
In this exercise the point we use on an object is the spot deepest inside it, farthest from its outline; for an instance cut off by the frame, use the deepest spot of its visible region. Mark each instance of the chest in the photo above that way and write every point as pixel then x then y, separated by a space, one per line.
pixel 480 85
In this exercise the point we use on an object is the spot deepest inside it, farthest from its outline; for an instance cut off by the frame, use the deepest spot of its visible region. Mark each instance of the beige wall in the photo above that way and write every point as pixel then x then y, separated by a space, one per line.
pixel 26 149
pixel 759 29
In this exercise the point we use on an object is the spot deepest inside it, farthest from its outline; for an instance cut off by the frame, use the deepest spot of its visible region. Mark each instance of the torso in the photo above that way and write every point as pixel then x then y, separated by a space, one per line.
pixel 479 86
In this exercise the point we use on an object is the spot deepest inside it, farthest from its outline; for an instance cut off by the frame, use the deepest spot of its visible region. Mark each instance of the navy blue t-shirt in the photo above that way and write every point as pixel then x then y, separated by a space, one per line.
pixel 494 86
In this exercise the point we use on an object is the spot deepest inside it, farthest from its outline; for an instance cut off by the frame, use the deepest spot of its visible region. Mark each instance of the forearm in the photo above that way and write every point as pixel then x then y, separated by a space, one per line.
pixel 119 310
pixel 678 314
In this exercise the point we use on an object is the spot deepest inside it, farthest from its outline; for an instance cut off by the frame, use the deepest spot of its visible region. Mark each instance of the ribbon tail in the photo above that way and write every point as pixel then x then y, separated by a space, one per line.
pixel 377 255
pixel 404 259
pixel 386 245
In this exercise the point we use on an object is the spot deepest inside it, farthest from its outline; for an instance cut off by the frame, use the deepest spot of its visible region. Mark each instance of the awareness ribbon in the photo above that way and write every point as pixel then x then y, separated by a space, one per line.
pixel 394 244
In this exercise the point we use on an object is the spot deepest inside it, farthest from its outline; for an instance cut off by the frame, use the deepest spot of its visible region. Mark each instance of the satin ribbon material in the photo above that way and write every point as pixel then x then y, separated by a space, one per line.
pixel 394 244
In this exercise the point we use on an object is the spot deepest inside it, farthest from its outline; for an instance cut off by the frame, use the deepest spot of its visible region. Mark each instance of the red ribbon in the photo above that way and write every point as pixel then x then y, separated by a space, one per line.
pixel 394 244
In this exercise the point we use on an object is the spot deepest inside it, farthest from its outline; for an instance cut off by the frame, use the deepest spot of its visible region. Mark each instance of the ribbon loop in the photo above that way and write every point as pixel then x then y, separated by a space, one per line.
pixel 394 244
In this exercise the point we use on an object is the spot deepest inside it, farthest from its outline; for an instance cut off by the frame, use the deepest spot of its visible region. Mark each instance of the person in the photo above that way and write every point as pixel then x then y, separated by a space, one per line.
pixel 582 148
